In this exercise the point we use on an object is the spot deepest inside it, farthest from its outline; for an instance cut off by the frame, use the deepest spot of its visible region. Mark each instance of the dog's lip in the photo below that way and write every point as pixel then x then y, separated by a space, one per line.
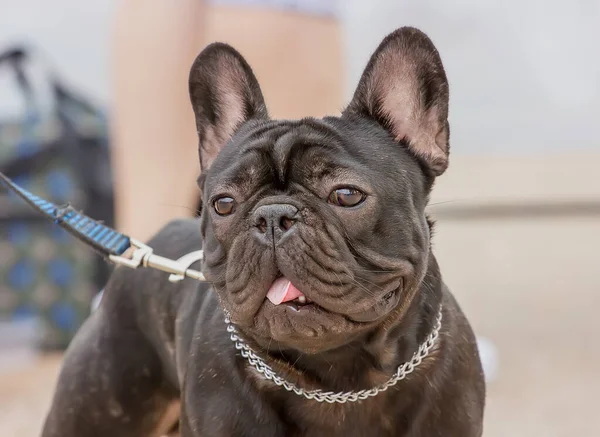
pixel 294 306
pixel 311 307
pixel 301 310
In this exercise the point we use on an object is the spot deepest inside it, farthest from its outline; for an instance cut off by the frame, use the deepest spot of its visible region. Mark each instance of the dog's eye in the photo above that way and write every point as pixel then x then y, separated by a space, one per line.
pixel 346 197
pixel 224 205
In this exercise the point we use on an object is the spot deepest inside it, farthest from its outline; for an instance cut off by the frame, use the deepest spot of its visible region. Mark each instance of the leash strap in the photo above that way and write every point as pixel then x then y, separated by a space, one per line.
pixel 112 245
pixel 101 238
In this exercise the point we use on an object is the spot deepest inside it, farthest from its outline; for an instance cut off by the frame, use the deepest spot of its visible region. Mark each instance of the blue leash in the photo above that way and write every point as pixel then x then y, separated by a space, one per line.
pixel 102 238
pixel 115 246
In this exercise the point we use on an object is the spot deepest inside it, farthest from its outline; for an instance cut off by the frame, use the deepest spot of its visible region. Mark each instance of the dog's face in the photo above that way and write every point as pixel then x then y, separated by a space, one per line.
pixel 315 230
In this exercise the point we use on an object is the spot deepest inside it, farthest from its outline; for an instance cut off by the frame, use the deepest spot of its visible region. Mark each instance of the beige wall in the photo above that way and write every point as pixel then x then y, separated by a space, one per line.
pixel 517 241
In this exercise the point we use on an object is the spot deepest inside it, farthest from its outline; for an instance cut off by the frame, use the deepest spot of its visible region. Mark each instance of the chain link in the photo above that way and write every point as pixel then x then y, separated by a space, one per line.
pixel 332 397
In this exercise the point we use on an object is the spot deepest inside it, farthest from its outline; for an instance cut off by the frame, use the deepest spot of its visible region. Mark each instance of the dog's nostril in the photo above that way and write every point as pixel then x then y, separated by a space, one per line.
pixel 262 225
pixel 286 223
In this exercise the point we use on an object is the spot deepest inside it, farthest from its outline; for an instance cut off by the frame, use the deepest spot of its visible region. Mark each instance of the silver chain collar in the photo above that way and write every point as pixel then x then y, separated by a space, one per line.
pixel 332 397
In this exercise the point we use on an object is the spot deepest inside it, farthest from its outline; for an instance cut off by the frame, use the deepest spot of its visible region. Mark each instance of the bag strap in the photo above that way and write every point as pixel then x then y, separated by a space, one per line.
pixel 15 59
pixel 65 103
pixel 63 96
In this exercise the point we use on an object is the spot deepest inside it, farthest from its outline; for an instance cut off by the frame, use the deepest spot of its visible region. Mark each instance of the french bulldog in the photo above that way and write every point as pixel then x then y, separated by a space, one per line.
pixel 324 312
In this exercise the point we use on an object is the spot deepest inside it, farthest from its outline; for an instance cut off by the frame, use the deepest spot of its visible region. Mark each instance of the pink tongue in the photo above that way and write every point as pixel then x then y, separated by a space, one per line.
pixel 283 290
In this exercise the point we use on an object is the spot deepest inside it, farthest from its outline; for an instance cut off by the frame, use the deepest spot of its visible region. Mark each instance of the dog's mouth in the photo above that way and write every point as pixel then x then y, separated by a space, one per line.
pixel 287 315
pixel 285 295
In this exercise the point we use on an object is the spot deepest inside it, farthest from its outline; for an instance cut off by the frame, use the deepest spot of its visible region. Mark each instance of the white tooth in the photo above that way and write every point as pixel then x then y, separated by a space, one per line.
pixel 301 299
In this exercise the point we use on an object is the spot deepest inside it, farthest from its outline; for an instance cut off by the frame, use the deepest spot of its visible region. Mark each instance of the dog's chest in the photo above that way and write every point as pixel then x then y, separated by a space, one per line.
pixel 382 415
pixel 310 418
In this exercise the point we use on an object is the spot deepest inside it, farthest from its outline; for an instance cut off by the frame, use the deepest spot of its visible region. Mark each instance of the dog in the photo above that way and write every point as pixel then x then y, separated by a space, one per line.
pixel 324 312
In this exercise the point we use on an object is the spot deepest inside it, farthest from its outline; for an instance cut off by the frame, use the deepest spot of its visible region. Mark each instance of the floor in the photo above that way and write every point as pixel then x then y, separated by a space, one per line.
pixel 531 287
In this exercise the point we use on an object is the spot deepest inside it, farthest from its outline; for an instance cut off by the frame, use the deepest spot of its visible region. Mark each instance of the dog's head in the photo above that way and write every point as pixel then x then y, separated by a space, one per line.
pixel 315 230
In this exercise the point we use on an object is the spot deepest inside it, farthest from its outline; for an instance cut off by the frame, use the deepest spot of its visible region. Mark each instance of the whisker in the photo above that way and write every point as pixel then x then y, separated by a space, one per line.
pixel 297 359
pixel 195 212
pixel 372 283
pixel 339 279
pixel 354 281
pixel 376 271
pixel 445 201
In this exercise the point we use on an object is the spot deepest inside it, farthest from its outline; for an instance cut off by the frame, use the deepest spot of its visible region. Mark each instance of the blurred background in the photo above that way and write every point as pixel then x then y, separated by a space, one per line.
pixel 86 89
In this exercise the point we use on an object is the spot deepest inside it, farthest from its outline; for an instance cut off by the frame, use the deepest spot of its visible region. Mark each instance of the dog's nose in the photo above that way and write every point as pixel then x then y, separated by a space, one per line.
pixel 274 221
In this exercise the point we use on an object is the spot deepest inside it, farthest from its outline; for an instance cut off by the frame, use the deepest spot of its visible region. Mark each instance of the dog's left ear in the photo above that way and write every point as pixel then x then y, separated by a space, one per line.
pixel 225 94
pixel 404 88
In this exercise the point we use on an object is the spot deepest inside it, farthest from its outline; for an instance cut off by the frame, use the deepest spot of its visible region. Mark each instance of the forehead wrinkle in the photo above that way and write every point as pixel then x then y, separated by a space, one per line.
pixel 261 138
pixel 281 152
pixel 277 141
pixel 305 137
pixel 324 169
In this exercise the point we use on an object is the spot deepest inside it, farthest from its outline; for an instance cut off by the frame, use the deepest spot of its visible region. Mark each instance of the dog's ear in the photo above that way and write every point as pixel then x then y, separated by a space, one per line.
pixel 404 88
pixel 225 94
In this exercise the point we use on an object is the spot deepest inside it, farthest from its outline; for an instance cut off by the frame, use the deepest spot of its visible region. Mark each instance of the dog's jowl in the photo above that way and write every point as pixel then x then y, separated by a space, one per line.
pixel 325 313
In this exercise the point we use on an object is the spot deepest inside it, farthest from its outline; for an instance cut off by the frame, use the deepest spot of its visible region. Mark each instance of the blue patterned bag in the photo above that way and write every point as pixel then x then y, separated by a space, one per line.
pixel 62 156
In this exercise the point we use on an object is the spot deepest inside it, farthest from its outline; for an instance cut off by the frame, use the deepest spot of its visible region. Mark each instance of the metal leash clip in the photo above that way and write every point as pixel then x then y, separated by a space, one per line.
pixel 141 255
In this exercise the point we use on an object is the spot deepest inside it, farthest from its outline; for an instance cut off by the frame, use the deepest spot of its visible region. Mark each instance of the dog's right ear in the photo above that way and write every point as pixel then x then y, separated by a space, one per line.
pixel 224 94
